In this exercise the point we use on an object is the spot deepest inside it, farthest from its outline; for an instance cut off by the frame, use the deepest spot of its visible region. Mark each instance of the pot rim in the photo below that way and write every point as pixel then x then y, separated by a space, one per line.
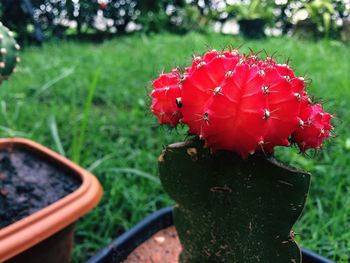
pixel 121 247
pixel 35 228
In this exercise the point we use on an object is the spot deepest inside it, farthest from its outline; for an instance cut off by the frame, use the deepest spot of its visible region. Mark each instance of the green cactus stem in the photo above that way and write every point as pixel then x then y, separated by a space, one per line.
pixel 233 210
pixel 8 53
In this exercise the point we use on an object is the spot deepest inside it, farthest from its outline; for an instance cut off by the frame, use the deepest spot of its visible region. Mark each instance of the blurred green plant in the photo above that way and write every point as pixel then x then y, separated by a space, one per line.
pixel 252 16
pixel 320 13
pixel 155 16
pixel 96 18
pixel 208 11
pixel 79 134
pixel 254 9
pixel 322 18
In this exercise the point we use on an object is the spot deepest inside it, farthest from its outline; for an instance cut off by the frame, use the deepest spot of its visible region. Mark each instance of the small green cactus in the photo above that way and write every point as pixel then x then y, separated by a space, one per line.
pixel 8 53
pixel 233 210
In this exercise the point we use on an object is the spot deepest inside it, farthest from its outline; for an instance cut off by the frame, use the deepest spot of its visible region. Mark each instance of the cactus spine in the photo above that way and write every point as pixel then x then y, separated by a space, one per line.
pixel 233 210
pixel 8 53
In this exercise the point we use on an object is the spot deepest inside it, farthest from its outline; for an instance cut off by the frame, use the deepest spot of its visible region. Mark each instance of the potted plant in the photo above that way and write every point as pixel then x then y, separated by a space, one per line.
pixel 314 19
pixel 345 31
pixel 252 17
pixel 42 193
pixel 234 201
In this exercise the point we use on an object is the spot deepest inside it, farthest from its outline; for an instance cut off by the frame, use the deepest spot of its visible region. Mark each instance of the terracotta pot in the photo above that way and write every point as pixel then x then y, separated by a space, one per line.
pixel 124 245
pixel 47 235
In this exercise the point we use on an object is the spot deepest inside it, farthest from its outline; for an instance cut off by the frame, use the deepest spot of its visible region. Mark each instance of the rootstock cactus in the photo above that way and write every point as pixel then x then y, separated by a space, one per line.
pixel 234 201
pixel 8 53
pixel 229 210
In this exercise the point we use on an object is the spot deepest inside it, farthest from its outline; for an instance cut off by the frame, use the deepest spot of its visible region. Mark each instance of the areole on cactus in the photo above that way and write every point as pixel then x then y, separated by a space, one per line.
pixel 235 202
pixel 8 53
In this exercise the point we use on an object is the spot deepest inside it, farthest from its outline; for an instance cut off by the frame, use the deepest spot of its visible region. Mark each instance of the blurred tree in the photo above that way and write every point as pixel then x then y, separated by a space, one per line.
pixel 162 15
pixel 282 15
pixel 89 17
pixel 210 11
pixel 121 12
pixel 18 15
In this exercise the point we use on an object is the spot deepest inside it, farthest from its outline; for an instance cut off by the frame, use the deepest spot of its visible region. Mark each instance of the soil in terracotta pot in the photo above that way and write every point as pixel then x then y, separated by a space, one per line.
pixel 28 183
pixel 162 247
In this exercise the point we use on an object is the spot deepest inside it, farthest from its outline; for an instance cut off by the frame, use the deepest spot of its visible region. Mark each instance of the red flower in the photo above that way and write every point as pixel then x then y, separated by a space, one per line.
pixel 102 5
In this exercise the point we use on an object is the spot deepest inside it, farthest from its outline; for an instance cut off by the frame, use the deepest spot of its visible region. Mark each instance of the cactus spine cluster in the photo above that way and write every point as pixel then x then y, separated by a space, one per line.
pixel 8 53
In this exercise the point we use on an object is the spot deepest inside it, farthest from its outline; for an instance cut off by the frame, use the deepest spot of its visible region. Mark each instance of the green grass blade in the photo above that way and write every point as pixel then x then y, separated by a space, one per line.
pixel 137 173
pixel 81 137
pixel 98 162
pixel 65 73
pixel 55 135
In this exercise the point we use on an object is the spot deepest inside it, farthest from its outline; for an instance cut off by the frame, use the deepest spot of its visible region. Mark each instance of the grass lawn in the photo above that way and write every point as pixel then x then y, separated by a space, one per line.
pixel 45 99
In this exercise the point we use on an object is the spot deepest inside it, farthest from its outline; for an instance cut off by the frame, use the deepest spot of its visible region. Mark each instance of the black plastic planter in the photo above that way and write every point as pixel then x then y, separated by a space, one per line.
pixel 121 247
pixel 252 28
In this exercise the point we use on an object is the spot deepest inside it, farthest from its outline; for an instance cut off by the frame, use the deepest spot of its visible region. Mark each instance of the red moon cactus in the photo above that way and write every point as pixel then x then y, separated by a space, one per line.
pixel 240 103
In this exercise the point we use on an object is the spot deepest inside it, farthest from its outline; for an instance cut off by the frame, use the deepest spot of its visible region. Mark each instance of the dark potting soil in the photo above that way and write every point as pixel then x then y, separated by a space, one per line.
pixel 28 183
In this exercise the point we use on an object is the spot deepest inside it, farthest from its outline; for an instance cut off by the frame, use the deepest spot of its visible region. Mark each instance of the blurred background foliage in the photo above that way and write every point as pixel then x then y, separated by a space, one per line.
pixel 311 19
